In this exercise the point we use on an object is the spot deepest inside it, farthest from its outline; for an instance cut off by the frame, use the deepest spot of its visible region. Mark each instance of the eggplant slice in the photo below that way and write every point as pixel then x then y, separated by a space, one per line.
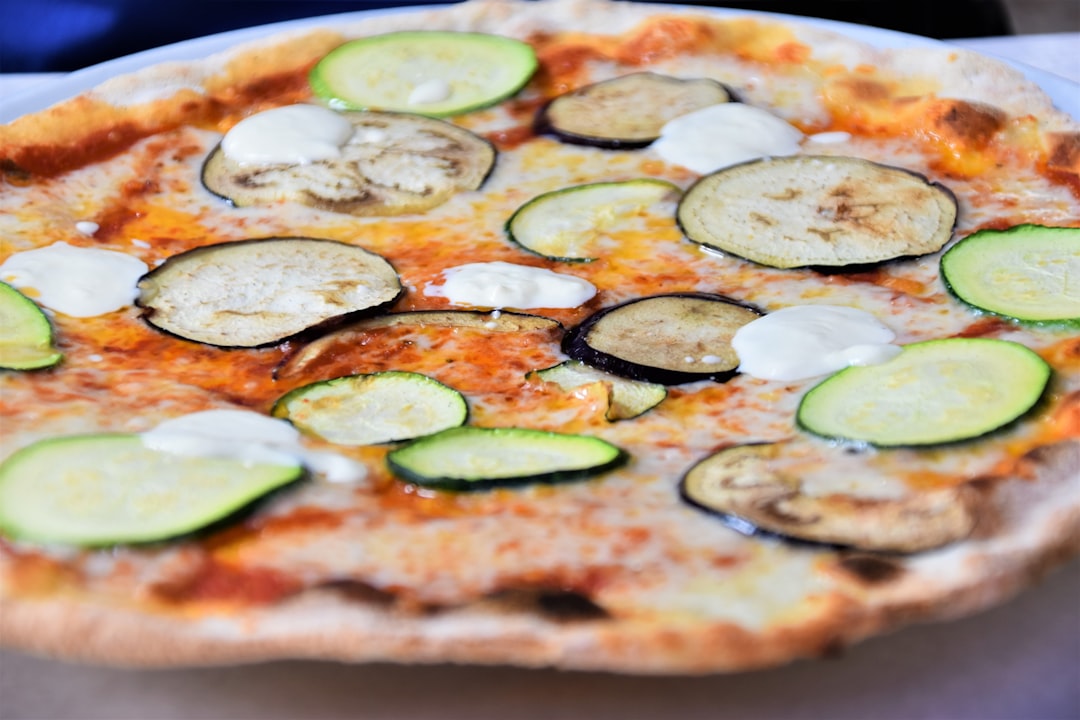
pixel 252 293
pixel 664 339
pixel 329 347
pixel 393 164
pixel 818 211
pixel 745 488
pixel 626 112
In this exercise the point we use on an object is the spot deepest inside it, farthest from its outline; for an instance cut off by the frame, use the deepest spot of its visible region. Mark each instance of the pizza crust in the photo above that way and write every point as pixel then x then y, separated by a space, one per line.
pixel 1030 532
pixel 1035 534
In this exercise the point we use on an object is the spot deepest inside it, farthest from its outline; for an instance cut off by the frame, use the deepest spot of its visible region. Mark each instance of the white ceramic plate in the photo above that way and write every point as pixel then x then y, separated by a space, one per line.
pixel 1066 94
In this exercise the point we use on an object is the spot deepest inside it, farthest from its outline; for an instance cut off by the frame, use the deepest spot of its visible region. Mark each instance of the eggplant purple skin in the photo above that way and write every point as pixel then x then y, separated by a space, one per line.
pixel 305 335
pixel 574 344
pixel 542 125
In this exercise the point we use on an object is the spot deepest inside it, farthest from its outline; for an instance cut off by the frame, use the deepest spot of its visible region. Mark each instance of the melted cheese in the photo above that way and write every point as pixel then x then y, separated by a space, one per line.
pixel 806 341
pixel 294 135
pixel 507 285
pixel 248 437
pixel 718 136
pixel 80 282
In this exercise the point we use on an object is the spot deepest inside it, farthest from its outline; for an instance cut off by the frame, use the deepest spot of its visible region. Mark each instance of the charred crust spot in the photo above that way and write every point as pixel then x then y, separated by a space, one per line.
pixel 832 649
pixel 762 219
pixel 973 123
pixel 566 606
pixel 555 605
pixel 870 569
pixel 1064 153
pixel 12 172
pixel 361 592
pixel 867 90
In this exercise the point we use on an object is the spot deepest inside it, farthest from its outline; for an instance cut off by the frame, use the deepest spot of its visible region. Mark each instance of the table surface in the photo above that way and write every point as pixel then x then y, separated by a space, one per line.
pixel 1018 661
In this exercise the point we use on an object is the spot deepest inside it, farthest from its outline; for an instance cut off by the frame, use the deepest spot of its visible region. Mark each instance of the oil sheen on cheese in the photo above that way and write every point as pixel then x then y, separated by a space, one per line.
pixel 805 341
pixel 294 135
pixel 248 437
pixel 507 285
pixel 722 135
pixel 75 281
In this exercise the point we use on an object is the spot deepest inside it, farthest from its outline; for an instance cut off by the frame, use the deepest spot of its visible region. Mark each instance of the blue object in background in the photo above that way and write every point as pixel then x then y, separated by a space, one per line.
pixel 64 35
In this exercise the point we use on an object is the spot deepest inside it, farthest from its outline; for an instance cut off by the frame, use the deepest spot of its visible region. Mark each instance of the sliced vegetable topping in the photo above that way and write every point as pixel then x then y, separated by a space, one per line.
pixel 435 73
pixel 571 224
pixel 259 292
pixel 391 164
pixel 448 339
pixel 626 398
pixel 375 408
pixel 628 111
pixel 666 339
pixel 108 489
pixel 1029 272
pixel 26 336
pixel 933 392
pixel 828 212
pixel 473 458
pixel 742 485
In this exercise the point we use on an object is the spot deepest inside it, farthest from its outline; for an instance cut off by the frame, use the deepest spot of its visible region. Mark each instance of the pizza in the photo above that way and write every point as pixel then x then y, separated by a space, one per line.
pixel 560 333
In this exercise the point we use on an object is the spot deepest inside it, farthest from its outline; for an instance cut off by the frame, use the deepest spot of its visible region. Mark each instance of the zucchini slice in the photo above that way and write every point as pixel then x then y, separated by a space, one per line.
pixel 473 458
pixel 1029 273
pixel 744 487
pixel 938 391
pixel 627 399
pixel 664 339
pixel 393 164
pixel 824 212
pixel 374 408
pixel 251 293
pixel 626 112
pixel 26 340
pixel 571 224
pixel 108 489
pixel 436 73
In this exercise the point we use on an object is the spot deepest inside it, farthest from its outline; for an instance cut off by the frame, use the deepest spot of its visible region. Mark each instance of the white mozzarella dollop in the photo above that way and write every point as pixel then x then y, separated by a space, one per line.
pixel 506 285
pixel 806 341
pixel 76 281
pixel 430 91
pixel 249 437
pixel 722 135
pixel 294 134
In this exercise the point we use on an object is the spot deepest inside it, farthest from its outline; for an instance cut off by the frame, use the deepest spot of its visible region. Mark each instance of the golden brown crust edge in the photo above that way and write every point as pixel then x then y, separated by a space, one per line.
pixel 326 625
pixel 162 96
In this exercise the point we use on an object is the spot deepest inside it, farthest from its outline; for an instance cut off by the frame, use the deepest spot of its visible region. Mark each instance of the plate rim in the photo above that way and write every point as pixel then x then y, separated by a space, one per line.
pixel 1064 93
